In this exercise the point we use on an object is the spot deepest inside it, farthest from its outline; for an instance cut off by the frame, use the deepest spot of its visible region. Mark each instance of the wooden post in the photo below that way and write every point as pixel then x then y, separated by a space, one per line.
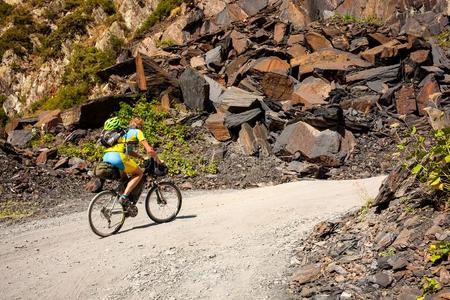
pixel 141 80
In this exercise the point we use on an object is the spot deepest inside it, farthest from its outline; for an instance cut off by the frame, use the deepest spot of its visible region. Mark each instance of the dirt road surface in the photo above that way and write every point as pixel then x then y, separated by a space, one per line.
pixel 224 245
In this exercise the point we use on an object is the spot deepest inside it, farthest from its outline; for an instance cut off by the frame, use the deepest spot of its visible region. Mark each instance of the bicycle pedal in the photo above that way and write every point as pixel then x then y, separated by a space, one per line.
pixel 132 211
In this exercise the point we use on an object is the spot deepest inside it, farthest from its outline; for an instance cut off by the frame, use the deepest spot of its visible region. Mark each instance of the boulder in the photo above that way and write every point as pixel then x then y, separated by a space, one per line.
pixel 239 41
pixel 93 113
pixel 261 134
pixel 295 39
pixel 279 32
pixel 311 91
pixel 328 59
pixel 363 104
pixel 197 62
pixel 20 138
pixel 216 125
pixel 49 121
pixel 428 93
pixel 213 58
pixel 315 145
pixel 277 86
pixel 405 100
pixel 385 74
pixel 231 13
pixel 252 7
pixel 247 140
pixel 215 90
pixel 234 97
pixel 195 89
pixel 307 274
pixel 437 118
pixel 419 56
pixel 271 64
pixel 317 41
pixel 388 50
pixel 235 120
pixel 297 51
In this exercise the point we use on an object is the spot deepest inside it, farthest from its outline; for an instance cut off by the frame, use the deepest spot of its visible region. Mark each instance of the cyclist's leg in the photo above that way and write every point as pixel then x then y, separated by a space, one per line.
pixel 136 173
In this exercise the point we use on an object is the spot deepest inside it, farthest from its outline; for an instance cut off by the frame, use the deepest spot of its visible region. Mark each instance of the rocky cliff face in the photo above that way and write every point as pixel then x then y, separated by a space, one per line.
pixel 25 79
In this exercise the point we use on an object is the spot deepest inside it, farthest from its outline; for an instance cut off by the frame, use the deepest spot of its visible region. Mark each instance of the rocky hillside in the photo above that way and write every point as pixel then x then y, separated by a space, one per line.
pixel 246 92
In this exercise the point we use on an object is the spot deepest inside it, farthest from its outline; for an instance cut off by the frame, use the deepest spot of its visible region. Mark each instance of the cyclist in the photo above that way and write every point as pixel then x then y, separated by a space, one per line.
pixel 120 154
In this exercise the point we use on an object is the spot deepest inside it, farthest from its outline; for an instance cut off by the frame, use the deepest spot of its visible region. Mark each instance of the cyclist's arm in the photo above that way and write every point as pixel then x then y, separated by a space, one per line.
pixel 149 149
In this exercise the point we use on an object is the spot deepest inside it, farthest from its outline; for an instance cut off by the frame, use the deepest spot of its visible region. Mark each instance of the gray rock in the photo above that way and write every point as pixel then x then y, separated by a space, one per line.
pixel 385 240
pixel 382 279
pixel 195 89
pixel 20 138
pixel 213 58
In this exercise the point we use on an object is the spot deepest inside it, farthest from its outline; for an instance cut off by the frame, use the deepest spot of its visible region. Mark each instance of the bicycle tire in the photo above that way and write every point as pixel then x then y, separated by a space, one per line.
pixel 117 209
pixel 152 196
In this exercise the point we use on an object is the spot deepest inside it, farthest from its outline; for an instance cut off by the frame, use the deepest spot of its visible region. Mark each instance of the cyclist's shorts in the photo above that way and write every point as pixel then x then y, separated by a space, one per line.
pixel 121 161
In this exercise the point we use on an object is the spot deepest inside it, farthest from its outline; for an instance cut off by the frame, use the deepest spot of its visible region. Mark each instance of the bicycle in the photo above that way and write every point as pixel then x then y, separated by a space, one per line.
pixel 105 208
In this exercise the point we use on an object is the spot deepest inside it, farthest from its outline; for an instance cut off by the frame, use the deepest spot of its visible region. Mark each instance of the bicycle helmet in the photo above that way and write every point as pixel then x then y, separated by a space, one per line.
pixel 112 123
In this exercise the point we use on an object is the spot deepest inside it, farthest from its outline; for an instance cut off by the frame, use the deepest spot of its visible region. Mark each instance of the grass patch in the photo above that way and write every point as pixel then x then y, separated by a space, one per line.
pixel 14 210
pixel 349 19
pixel 3 116
pixel 443 39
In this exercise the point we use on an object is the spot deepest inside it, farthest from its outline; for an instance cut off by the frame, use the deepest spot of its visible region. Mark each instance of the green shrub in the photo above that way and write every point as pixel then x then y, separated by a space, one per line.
pixel 3 116
pixel 42 140
pixel 349 19
pixel 88 150
pixel 164 43
pixel 5 11
pixel 161 12
pixel 429 286
pixel 67 28
pixel 16 38
pixel 388 252
pixel 430 156
pixel 68 96
pixel 439 251
pixel 443 38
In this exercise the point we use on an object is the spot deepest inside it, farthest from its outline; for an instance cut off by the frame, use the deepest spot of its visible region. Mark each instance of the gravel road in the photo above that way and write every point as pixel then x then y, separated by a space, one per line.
pixel 224 245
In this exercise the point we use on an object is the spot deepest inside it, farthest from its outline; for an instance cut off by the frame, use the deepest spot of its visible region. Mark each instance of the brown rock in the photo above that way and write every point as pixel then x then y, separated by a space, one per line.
pixel 215 124
pixel 311 91
pixel 165 102
pixel 340 42
pixel 402 239
pixel 405 100
pixel 419 56
pixel 279 32
pixel 328 59
pixel 277 86
pixel 307 274
pixel 363 104
pixel 237 67
pixel 247 140
pixel 380 38
pixel 295 39
pixel 272 64
pixel 297 51
pixel 348 144
pixel 49 121
pixel 239 41
pixel 42 158
pixel 438 119
pixel 429 90
pixel 359 43
pixel 94 185
pixel 317 41
pixel 12 125
pixel 235 120
pixel 252 7
pixel 261 134
pixel 61 163
pixel 390 49
pixel 197 62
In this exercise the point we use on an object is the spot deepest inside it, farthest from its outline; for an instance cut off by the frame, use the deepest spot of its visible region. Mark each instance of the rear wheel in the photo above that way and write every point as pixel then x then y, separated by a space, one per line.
pixel 106 215
pixel 163 202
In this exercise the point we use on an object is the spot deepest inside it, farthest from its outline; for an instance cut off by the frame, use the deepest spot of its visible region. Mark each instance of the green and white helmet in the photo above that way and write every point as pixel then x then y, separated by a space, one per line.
pixel 112 123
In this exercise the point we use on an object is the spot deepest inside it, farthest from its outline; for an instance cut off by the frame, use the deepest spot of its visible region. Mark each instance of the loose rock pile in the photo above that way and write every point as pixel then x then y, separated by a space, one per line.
pixel 368 255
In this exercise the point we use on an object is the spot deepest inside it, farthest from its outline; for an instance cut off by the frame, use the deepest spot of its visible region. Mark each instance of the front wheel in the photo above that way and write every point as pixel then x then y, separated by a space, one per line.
pixel 163 202
pixel 106 215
